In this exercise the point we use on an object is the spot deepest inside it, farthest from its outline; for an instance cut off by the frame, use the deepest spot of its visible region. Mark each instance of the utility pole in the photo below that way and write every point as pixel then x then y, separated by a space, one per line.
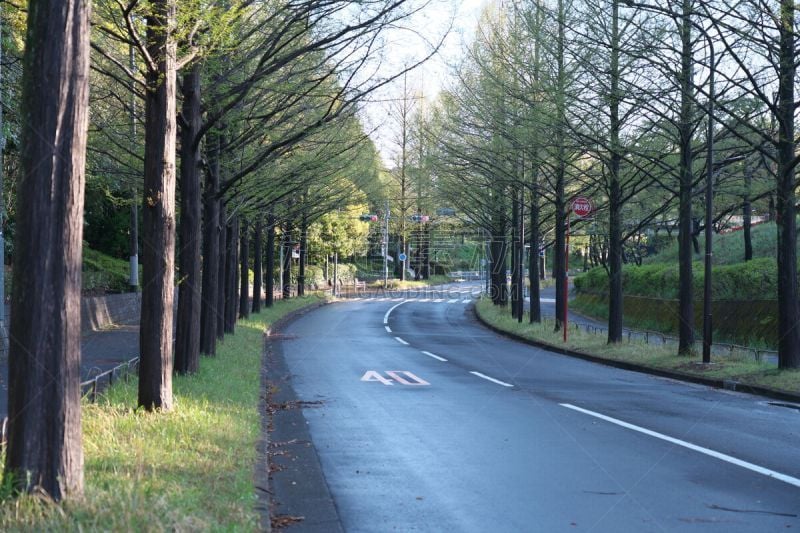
pixel 707 326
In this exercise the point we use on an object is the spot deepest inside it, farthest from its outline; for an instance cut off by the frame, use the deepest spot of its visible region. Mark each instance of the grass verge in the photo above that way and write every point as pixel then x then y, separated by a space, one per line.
pixel 410 284
pixel 186 470
pixel 737 366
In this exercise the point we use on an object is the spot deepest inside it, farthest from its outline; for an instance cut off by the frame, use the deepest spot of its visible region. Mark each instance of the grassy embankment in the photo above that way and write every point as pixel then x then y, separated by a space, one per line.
pixel 738 366
pixel 187 470
pixel 411 284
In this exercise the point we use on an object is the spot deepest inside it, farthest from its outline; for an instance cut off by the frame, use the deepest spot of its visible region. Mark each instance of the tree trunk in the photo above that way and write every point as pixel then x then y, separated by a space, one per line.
pixel 301 269
pixel 615 300
pixel 44 415
pixel 685 296
pixel 533 265
pixel 515 266
pixel 258 272
pixel 519 252
pixel 270 259
pixel 211 250
pixel 498 250
pixel 244 274
pixel 187 335
pixel 788 316
pixel 222 270
pixel 158 219
pixel 286 282
pixel 232 275
pixel 747 213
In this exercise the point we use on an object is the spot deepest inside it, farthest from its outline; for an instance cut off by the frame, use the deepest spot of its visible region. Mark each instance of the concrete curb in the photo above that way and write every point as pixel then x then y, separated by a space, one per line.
pixel 262 472
pixel 672 374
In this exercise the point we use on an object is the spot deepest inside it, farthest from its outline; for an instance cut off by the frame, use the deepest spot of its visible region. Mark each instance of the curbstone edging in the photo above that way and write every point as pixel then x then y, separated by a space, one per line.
pixel 634 367
pixel 262 485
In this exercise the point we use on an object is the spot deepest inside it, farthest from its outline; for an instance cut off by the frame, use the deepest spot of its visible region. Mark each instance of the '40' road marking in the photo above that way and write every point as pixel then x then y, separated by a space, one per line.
pixel 403 377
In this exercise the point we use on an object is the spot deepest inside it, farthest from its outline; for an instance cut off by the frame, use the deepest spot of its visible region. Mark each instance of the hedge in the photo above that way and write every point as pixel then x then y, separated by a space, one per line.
pixel 756 279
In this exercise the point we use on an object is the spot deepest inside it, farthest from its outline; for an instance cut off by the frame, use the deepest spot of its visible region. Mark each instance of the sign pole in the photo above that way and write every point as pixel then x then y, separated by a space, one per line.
pixel 582 207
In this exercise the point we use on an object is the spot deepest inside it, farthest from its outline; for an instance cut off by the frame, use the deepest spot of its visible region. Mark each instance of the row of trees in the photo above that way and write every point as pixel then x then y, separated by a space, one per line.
pixel 242 119
pixel 638 105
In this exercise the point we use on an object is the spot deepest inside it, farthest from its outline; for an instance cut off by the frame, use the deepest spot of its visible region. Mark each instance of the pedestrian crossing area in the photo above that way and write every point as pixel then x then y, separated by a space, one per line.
pixel 464 299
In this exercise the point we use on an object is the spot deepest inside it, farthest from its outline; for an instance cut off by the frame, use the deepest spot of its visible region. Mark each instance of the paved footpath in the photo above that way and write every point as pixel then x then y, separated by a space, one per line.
pixel 100 351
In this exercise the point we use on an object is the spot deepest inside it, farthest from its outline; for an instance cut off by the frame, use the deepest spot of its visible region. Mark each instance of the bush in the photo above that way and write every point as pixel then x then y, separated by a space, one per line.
pixel 753 280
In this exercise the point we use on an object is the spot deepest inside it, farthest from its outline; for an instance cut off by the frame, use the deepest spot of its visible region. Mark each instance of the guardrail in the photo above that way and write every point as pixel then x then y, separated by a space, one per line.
pixel 89 388
pixel 662 339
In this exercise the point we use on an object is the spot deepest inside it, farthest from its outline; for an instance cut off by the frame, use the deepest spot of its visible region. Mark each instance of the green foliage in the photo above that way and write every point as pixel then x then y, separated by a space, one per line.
pixel 754 280
pixel 728 247
pixel 339 231
pixel 187 470
pixel 102 273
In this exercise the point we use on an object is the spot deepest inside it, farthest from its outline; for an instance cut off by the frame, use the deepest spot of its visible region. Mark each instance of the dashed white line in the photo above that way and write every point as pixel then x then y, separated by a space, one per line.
pixel 438 300
pixel 429 354
pixel 389 312
pixel 453 301
pixel 484 376
pixel 465 301
pixel 401 341
pixel 711 453
pixel 355 299
pixel 388 329
pixel 424 300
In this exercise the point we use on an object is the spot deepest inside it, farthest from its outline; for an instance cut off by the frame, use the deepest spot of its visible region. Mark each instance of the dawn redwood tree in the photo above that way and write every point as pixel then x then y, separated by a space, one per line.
pixel 244 257
pixel 44 441
pixel 187 336
pixel 258 268
pixel 158 211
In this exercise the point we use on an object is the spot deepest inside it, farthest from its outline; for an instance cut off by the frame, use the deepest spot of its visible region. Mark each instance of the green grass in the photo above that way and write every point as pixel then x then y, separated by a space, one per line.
pixel 737 366
pixel 728 247
pixel 186 470
pixel 411 284
pixel 103 273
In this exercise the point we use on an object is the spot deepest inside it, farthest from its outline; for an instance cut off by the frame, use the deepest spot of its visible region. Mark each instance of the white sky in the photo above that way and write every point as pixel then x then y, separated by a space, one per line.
pixel 407 46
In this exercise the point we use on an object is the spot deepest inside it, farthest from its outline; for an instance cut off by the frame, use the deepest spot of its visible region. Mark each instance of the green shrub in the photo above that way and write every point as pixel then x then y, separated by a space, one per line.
pixel 753 280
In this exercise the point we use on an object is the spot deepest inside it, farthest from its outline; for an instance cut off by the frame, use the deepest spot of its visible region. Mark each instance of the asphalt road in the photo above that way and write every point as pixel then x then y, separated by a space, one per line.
pixel 429 422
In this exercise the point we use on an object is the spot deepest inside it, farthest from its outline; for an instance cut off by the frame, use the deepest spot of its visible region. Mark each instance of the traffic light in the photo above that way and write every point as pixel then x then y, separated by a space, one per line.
pixel 368 218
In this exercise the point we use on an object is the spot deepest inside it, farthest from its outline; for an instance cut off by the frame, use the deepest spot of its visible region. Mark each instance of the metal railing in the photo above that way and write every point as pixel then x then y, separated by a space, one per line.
pixel 89 388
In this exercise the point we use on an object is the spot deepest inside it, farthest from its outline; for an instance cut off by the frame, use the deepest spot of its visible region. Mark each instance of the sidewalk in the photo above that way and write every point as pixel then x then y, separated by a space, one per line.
pixel 101 350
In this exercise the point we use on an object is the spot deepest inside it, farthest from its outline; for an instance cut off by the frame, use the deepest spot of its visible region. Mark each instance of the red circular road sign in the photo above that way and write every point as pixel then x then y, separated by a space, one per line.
pixel 582 206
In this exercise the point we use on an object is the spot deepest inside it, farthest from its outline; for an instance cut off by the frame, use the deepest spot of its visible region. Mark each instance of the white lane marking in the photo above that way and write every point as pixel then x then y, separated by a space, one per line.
pixel 453 301
pixel 401 341
pixel 388 329
pixel 438 300
pixel 417 381
pixel 547 300
pixel 372 375
pixel 397 299
pixel 389 312
pixel 429 354
pixel 484 376
pixel 424 300
pixel 382 299
pixel 706 451
pixel 355 299
pixel 466 301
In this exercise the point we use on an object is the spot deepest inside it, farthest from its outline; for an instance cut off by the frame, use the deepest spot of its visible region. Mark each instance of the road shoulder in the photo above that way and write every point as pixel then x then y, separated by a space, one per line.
pixel 298 493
